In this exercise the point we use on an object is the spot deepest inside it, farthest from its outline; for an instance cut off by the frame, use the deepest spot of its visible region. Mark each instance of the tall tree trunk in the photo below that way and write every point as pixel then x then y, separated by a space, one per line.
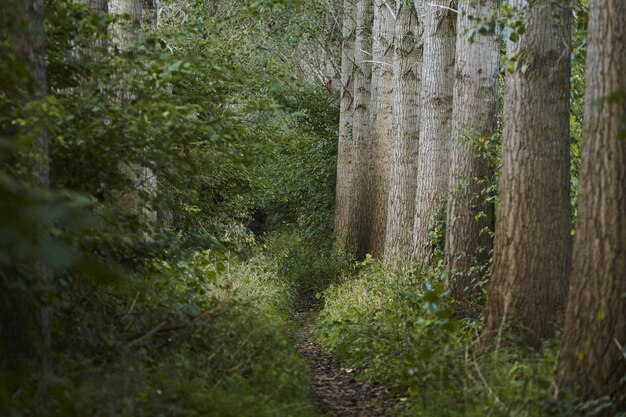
pixel 125 34
pixel 475 106
pixel 407 67
pixel 360 199
pixel 344 152
pixel 532 250
pixel 437 89
pixel 381 122
pixel 591 363
pixel 25 325
pixel 41 164
pixel 147 177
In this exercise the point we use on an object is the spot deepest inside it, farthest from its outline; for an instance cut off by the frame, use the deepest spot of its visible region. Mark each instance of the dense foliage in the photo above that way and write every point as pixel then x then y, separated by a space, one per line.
pixel 190 209
pixel 160 299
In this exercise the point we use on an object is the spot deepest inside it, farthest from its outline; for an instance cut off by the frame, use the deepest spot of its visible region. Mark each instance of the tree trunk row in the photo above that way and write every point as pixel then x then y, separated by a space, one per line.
pixel 431 90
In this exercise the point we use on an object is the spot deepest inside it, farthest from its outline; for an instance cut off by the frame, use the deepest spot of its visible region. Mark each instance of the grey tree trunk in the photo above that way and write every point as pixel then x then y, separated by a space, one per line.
pixel 344 152
pixel 590 362
pixel 474 118
pixel 436 114
pixel 532 250
pixel 124 35
pixel 360 199
pixel 381 122
pixel 407 68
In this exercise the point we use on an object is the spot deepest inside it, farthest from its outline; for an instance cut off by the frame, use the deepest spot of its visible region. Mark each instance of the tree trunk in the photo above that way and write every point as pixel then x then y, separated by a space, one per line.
pixel 437 89
pixel 41 164
pixel 591 363
pixel 344 152
pixel 360 198
pixel 407 67
pixel 381 122
pixel 532 250
pixel 124 35
pixel 475 106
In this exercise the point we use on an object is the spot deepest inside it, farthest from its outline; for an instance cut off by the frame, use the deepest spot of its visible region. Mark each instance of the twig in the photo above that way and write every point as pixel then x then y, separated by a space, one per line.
pixel 379 62
pixel 147 335
pixel 132 306
pixel 393 14
pixel 482 378
pixel 621 348
pixel 443 7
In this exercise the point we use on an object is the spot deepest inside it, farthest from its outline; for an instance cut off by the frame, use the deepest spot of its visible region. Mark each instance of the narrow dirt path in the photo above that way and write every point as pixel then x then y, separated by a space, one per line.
pixel 338 390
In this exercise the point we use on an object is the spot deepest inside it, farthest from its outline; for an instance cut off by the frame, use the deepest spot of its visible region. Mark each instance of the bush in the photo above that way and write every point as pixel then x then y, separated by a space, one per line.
pixel 205 337
pixel 309 265
pixel 399 328
pixel 396 326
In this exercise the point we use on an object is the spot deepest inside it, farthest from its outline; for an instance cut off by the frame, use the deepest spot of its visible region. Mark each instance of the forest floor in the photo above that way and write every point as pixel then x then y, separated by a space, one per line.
pixel 338 391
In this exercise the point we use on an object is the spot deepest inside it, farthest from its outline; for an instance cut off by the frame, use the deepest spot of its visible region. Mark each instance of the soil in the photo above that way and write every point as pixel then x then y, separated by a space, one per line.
pixel 339 391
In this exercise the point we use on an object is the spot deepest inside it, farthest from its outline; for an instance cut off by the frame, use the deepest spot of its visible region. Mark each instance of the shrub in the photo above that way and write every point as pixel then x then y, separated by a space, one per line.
pixel 205 337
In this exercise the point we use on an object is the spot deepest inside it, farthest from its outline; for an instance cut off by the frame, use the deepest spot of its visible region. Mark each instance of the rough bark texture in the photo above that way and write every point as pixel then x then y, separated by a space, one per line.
pixel 381 121
pixel 436 101
pixel 475 105
pixel 407 66
pixel 590 362
pixel 532 249
pixel 360 199
pixel 344 152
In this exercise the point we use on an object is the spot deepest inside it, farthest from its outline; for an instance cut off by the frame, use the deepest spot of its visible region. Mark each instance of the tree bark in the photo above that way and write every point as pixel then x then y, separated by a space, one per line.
pixel 407 67
pixel 436 113
pixel 532 250
pixel 124 35
pixel 475 106
pixel 590 362
pixel 360 198
pixel 381 123
pixel 344 152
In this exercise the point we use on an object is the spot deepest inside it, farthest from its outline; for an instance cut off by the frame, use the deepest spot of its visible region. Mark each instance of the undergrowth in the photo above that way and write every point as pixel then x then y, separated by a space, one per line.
pixel 400 329
pixel 207 336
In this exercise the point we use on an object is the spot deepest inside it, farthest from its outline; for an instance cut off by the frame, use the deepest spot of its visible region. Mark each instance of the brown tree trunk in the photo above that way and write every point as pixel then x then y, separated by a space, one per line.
pixel 436 101
pixel 532 249
pixel 360 198
pixel 344 152
pixel 592 361
pixel 407 67
pixel 381 122
pixel 475 107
